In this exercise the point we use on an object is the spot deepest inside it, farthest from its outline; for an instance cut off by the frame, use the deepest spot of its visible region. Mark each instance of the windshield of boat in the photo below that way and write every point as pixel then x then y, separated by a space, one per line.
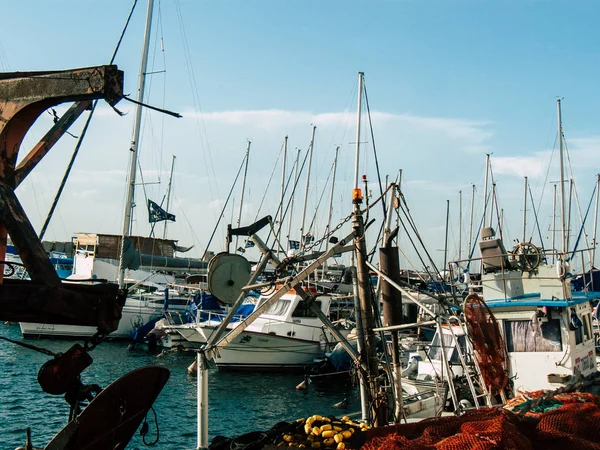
pixel 279 308
pixel 302 310
pixel 435 348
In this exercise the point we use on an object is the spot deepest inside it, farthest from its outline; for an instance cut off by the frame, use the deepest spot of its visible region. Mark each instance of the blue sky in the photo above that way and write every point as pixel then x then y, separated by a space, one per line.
pixel 448 81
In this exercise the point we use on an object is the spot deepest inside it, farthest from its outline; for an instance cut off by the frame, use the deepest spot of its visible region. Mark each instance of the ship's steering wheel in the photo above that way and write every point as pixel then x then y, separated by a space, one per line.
pixel 526 256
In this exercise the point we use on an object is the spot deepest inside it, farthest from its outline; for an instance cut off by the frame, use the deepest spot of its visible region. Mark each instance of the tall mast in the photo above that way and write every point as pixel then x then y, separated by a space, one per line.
pixel 525 213
pixel 569 213
pixel 310 154
pixel 471 220
pixel 369 382
pixel 169 195
pixel 361 77
pixel 492 203
pixel 446 240
pixel 287 245
pixel 485 186
pixel 330 207
pixel 554 225
pixel 133 159
pixel 562 181
pixel 460 225
pixel 239 220
pixel 596 221
pixel 285 141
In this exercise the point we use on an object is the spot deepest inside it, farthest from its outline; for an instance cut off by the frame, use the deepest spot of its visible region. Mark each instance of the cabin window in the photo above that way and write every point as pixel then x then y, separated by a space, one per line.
pixel 302 310
pixel 279 308
pixel 435 350
pixel 531 336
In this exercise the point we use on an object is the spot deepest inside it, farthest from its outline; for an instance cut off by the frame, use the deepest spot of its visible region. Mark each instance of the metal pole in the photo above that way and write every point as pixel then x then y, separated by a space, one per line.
pixel 361 76
pixel 471 221
pixel 370 360
pixel 130 198
pixel 562 180
pixel 392 315
pixel 485 186
pixel 168 199
pixel 525 213
pixel 460 225
pixel 285 141
pixel 287 246
pixel 596 221
pixel 310 154
pixel 239 220
pixel 485 193
pixel 554 226
pixel 492 203
pixel 568 235
pixel 202 386
pixel 360 342
pixel 446 241
pixel 324 269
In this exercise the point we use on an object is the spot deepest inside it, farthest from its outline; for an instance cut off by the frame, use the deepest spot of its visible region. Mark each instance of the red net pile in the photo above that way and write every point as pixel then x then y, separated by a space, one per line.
pixel 488 344
pixel 574 425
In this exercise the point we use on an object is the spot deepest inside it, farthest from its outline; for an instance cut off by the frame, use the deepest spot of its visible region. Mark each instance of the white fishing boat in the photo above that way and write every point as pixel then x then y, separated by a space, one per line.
pixel 288 336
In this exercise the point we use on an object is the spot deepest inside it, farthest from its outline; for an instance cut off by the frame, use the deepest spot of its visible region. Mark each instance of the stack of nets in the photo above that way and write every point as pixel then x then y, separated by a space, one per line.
pixel 575 424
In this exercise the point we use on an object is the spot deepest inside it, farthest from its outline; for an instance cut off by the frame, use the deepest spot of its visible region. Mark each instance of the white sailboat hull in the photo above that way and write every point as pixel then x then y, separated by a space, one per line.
pixel 260 351
pixel 132 318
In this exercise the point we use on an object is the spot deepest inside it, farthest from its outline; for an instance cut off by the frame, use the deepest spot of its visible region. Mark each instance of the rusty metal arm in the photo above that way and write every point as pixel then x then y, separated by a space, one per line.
pixel 48 141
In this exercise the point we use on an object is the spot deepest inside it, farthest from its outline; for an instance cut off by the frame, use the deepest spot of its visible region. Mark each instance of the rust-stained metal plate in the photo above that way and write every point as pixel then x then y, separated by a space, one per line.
pixel 111 419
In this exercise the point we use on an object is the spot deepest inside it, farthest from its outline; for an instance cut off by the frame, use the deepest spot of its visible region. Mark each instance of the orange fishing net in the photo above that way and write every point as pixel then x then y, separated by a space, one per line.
pixel 574 425
pixel 488 344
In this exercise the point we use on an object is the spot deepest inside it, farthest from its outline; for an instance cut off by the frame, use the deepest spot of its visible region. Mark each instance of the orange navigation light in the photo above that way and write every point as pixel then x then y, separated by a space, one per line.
pixel 356 194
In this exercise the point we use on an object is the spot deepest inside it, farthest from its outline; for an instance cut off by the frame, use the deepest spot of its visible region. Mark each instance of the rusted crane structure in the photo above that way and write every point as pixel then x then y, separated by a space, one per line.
pixel 24 96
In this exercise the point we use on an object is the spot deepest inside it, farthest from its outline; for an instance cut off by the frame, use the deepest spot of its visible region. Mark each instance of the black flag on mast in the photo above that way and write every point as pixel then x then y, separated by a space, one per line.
pixel 157 214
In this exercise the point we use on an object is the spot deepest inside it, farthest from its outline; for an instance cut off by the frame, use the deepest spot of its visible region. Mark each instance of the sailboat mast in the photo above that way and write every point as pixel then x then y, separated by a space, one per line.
pixel 330 207
pixel 471 220
pixel 168 199
pixel 287 245
pixel 562 180
pixel 596 221
pixel 239 220
pixel 446 240
pixel 310 154
pixel 133 159
pixel 285 141
pixel 460 224
pixel 554 225
pixel 361 77
pixel 525 213
pixel 485 186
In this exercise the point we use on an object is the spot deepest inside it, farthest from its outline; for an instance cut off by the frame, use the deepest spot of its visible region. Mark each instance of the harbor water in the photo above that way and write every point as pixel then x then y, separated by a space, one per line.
pixel 238 402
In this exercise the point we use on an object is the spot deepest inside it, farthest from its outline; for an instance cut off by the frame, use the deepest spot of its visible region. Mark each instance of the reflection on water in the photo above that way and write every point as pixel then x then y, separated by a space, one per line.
pixel 238 402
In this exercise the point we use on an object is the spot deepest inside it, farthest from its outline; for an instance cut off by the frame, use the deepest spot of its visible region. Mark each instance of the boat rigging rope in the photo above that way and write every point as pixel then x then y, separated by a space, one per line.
pixel 374 149
pixel 268 184
pixel 225 205
pixel 29 346
pixel 82 136
pixel 537 223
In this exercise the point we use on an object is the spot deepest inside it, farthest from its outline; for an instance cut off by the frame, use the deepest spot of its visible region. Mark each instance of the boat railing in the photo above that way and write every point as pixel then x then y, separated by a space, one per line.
pixel 461 278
